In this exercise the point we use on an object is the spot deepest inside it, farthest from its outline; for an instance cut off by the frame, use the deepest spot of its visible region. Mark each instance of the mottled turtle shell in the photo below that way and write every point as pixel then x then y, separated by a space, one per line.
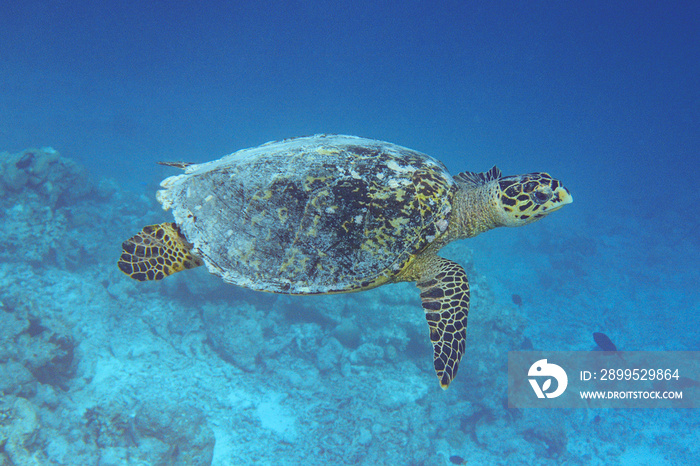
pixel 319 214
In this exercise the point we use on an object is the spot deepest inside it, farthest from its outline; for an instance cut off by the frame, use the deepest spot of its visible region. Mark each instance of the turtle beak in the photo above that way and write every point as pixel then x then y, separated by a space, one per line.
pixel 564 195
pixel 561 197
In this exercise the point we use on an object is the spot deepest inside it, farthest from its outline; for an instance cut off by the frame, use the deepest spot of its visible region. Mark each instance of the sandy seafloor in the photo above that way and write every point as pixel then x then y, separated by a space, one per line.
pixel 98 369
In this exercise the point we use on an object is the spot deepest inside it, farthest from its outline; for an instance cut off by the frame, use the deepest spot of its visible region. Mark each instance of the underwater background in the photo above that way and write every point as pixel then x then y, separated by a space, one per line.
pixel 98 369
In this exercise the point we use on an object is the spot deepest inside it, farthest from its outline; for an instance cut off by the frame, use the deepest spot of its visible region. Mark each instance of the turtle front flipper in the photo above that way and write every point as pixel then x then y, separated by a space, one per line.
pixel 445 296
pixel 156 252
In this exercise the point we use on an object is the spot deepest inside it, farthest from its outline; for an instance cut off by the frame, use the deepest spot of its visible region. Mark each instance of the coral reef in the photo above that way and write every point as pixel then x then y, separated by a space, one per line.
pixel 19 428
pixel 98 369
pixel 55 180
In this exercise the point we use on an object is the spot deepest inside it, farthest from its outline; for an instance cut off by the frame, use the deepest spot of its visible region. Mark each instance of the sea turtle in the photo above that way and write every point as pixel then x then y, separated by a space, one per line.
pixel 333 214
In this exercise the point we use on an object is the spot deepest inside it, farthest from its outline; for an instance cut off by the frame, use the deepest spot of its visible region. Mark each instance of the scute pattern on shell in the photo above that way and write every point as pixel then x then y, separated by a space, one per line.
pixel 319 214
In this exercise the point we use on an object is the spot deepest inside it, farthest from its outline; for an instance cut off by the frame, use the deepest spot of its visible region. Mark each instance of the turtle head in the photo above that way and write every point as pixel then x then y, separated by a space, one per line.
pixel 523 199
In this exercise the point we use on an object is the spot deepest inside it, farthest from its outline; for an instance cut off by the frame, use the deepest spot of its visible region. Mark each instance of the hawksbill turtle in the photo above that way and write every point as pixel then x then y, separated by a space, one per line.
pixel 333 214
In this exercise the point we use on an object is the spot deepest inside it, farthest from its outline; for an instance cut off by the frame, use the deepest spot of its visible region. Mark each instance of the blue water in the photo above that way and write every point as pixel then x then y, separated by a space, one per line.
pixel 603 95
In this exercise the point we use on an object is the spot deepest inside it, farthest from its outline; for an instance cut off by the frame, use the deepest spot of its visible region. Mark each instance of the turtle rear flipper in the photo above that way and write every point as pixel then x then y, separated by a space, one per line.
pixel 156 252
pixel 445 297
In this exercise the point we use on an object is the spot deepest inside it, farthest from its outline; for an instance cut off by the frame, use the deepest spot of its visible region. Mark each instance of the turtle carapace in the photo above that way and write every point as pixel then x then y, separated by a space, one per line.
pixel 332 214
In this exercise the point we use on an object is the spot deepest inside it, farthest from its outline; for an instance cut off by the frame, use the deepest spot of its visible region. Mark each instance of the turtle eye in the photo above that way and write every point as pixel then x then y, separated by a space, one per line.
pixel 541 197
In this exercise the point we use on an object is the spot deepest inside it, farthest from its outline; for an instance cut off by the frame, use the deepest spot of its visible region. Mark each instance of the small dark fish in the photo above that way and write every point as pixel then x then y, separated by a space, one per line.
pixel 604 342
pixel 454 459
pixel 25 161
pixel 517 299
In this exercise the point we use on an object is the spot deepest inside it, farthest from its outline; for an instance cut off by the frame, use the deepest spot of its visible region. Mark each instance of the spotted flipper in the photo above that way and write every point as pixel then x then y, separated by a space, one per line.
pixel 156 252
pixel 445 296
